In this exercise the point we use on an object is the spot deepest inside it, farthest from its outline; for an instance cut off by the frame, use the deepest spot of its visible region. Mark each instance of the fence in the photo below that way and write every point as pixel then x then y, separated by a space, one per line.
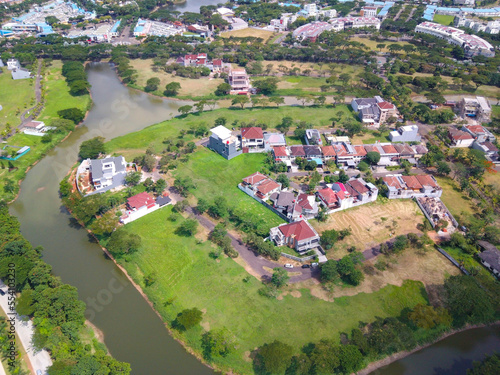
pixel 265 204
pixel 452 260
pixel 302 259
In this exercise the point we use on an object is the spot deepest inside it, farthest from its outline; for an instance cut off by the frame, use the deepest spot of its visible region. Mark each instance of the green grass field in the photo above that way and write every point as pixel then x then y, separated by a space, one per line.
pixel 134 143
pixel 443 19
pixel 15 97
pixel 215 176
pixel 57 94
pixel 185 273
pixel 453 199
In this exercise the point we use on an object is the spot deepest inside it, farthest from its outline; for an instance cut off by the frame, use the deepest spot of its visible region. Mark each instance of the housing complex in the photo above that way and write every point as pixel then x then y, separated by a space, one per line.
pixel 490 27
pixel 155 28
pixel 472 44
pixel 311 31
pixel 399 186
pixel 476 137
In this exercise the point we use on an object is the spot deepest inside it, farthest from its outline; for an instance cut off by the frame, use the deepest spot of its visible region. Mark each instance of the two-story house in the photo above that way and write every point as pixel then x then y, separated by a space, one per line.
pixel 107 173
pixel 252 138
pixel 299 235
pixel 239 81
pixel 224 142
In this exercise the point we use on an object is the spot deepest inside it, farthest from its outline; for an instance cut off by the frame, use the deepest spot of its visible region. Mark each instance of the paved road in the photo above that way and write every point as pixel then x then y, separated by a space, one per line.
pixel 39 360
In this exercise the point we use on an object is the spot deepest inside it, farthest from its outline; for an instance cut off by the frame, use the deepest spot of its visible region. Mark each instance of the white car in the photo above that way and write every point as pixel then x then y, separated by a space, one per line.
pixel 288 265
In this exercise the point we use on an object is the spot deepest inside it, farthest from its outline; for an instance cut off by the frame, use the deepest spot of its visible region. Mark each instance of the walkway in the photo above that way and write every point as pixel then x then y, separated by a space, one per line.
pixel 38 96
pixel 40 360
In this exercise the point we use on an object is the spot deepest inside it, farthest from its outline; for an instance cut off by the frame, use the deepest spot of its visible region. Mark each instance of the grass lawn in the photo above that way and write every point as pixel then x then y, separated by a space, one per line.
pixel 370 137
pixel 372 224
pixel 187 277
pixel 15 97
pixel 189 87
pixel 495 111
pixel 443 19
pixel 256 33
pixel 271 116
pixel 372 44
pixel 57 95
pixel 453 199
pixel 215 176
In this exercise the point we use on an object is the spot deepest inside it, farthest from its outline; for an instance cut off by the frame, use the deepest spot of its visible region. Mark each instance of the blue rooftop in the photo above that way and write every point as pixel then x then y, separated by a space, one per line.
pixel 115 26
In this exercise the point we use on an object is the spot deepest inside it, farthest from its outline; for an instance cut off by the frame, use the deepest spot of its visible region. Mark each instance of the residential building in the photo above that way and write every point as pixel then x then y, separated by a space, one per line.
pixel 37 128
pixel 201 60
pixel 313 137
pixel 337 139
pixel 490 151
pixel 464 2
pixel 349 155
pixel 387 110
pixel 368 11
pixel 13 64
pixel 299 235
pixel 408 133
pixel 305 207
pixel 400 186
pixel 239 81
pixel 480 133
pixel 460 138
pixel 328 197
pixel 274 140
pixel 228 15
pixel 155 28
pixel 490 257
pixel 100 175
pixel 311 31
pixel 361 191
pixel 346 23
pixel 280 153
pixel 283 201
pixel 142 204
pixel 283 23
pixel 224 142
pixel 252 139
pixel 328 153
pixel 478 108
pixel 20 73
pixel 374 111
pixel 297 151
pixel 259 186
pixel 472 44
pixel 312 152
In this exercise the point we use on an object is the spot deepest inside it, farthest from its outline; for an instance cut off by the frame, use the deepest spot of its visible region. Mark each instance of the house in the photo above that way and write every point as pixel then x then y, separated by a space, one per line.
pixel 490 257
pixel 480 133
pixel 337 140
pixel 141 204
pixel 344 197
pixel 489 149
pixel 328 153
pixel 239 81
pixel 305 207
pixel 224 142
pixel 361 191
pixel 399 186
pixel 299 235
pixel 20 73
pixel 283 202
pixel 199 59
pixel 460 138
pixel 280 153
pixel 104 174
pixel 259 186
pixel 374 111
pixel 349 155
pixel 368 11
pixel 408 133
pixel 329 198
pixel 34 128
pixel 313 152
pixel 387 110
pixel 252 138
pixel 405 151
pixel 274 140
pixel 478 108
pixel 265 188
pixel 254 179
pixel 297 151
pixel 13 64
pixel 313 137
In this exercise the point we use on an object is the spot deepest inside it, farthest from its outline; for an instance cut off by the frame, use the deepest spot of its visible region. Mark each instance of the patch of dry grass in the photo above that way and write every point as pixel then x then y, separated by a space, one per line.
pixel 249 32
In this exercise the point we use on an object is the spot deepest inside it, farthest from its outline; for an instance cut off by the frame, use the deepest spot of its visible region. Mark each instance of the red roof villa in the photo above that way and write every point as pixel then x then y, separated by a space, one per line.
pixel 299 235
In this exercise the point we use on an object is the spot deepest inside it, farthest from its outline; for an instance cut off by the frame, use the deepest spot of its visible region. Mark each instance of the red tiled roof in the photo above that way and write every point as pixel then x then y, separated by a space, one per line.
pixel 267 186
pixel 254 178
pixel 297 151
pixel 389 149
pixel 279 151
pixel 139 200
pixel 425 179
pixel 341 194
pixel 252 133
pixel 490 146
pixel 403 148
pixel 412 182
pixel 371 148
pixel 475 128
pixel 328 196
pixel 459 135
pixel 328 151
pixel 217 62
pixel 358 186
pixel 385 105
pixel 351 191
pixel 392 181
pixel 360 150
pixel 300 230
pixel 303 202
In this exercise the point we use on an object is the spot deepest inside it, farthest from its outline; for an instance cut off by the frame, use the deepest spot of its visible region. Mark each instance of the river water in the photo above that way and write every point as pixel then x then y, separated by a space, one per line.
pixel 132 331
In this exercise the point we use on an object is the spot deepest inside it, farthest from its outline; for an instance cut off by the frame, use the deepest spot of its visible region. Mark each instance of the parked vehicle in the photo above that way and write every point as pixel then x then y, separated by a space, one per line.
pixel 314 264
pixel 2 293
pixel 306 266
pixel 288 265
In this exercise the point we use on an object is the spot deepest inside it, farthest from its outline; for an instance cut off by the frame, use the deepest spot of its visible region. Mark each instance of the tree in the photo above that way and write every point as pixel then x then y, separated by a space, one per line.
pixel 400 244
pixel 284 126
pixel 188 228
pixel 373 157
pixel 428 317
pixel 217 343
pixel 74 114
pixel 152 84
pixel 133 178
pixel 266 86
pixel 104 225
pixel 160 186
pixel 223 89
pixel 329 238
pixel 350 359
pixel 172 89
pixel 283 180
pixel 185 109
pixel 489 365
pixel 305 98
pixel 329 271
pixel 443 168
pixel 77 88
pixel 184 185
pixel 25 303
pixel 219 208
pixel 92 148
pixel 122 242
pixel 9 186
pixel 278 100
pixel 363 166
pixel 280 277
pixel 240 100
pixel 467 301
pixel 200 105
pixel 274 358
pixel 188 318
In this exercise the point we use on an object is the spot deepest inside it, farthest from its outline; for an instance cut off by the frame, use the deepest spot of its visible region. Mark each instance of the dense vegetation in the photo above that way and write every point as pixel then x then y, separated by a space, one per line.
pixel 57 313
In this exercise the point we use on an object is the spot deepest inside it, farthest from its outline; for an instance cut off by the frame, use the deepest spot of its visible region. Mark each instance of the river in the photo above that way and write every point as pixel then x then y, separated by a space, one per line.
pixel 193 5
pixel 132 331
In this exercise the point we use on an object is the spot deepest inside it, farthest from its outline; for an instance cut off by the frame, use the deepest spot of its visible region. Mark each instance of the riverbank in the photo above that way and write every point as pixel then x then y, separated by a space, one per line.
pixel 373 366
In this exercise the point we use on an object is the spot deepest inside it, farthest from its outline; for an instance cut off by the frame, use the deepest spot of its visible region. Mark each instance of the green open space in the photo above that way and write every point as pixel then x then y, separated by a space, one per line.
pixel 15 97
pixel 57 96
pixel 186 277
pixel 453 198
pixel 443 19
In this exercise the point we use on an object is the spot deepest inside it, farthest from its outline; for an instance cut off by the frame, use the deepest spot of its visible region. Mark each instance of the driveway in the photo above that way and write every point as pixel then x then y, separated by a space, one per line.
pixel 39 360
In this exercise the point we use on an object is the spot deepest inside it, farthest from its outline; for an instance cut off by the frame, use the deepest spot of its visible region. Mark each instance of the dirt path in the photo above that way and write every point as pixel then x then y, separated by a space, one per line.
pixel 38 97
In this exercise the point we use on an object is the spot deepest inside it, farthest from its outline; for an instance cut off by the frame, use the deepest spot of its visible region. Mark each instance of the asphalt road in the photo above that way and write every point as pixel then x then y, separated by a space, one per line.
pixel 39 360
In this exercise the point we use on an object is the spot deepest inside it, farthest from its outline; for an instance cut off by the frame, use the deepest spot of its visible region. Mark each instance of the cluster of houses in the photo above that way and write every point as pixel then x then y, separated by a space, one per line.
pixel 491 27
pixel 476 137
pixel 202 60
pixel 423 185
pixel 311 31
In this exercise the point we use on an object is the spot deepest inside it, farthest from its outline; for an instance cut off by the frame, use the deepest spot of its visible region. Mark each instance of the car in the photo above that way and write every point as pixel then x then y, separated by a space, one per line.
pixel 2 293
pixel 306 266
pixel 327 172
pixel 314 264
pixel 288 265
